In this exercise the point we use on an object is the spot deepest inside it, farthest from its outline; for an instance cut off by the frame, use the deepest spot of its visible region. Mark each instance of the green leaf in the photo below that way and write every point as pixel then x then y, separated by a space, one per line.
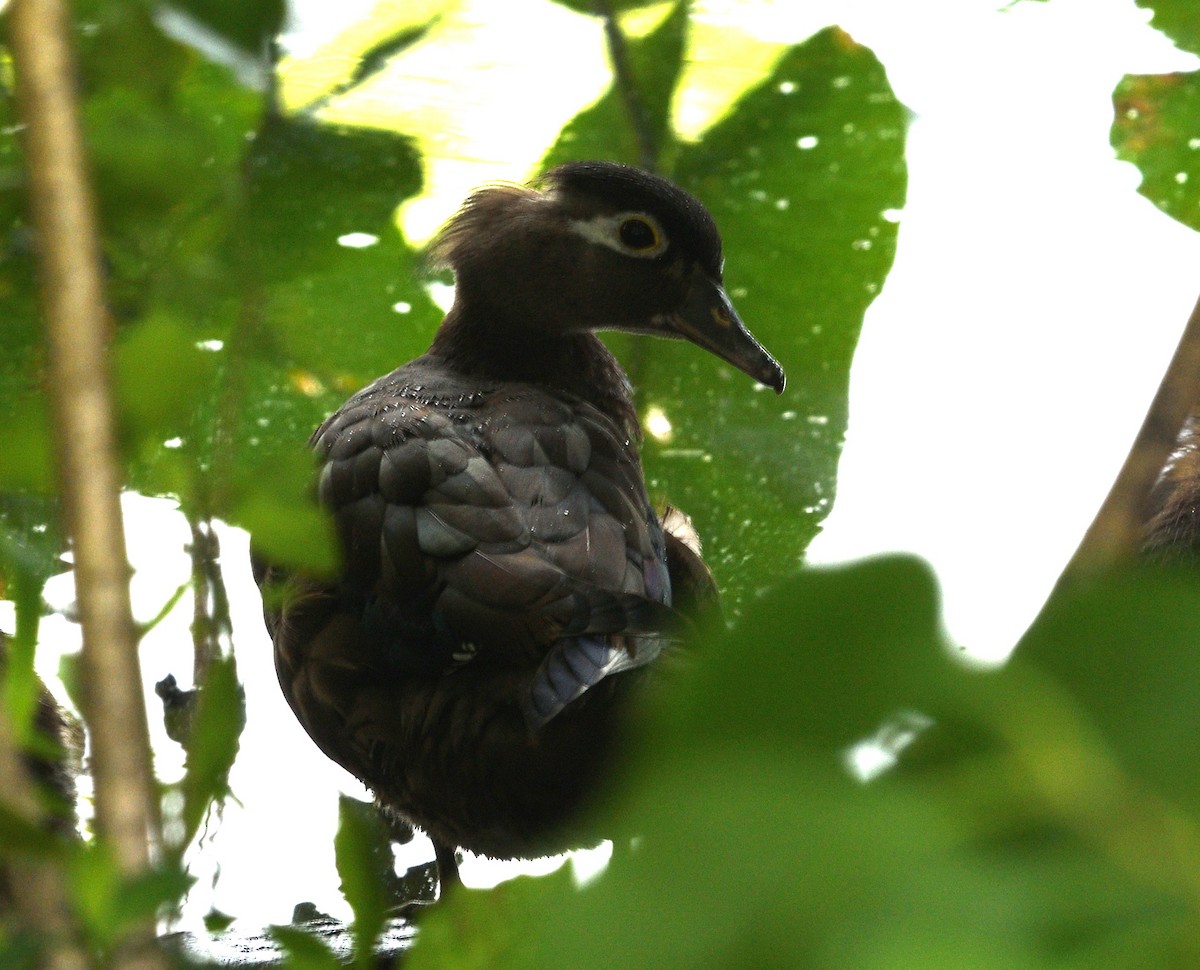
pixel 809 237
pixel 485 930
pixel 71 674
pixel 1178 19
pixel 329 302
pixel 20 684
pixel 94 883
pixel 1156 126
pixel 211 746
pixel 320 318
pixel 819 678
pixel 1124 650
pixel 373 61
pixel 22 951
pixel 26 448
pixel 217 922
pixel 366 867
pixel 167 132
pixel 290 531
pixel 146 895
pixel 160 373
pixel 304 951
pixel 607 129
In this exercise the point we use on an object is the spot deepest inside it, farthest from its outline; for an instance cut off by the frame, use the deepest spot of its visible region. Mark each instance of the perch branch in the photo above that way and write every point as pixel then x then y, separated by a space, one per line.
pixel 78 331
pixel 1115 536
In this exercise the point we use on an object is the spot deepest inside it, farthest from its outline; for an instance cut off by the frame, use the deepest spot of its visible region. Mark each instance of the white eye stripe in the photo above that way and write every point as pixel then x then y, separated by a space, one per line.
pixel 606 231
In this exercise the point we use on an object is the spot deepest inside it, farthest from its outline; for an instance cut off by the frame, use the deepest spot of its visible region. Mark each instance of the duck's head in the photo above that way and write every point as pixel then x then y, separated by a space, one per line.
pixel 597 246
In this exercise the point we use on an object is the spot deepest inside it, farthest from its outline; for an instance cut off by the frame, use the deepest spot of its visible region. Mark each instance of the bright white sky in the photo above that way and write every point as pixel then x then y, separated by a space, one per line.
pixel 1002 373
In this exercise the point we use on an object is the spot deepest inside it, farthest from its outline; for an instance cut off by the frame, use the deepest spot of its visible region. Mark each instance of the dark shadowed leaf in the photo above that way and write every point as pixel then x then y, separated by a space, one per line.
pixel 331 300
pixel 217 922
pixel 250 24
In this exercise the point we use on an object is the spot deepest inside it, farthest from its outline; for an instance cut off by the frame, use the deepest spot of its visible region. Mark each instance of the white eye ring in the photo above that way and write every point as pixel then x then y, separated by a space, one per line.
pixel 612 231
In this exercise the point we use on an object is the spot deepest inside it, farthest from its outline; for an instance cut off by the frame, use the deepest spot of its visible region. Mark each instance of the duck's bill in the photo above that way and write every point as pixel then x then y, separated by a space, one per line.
pixel 709 320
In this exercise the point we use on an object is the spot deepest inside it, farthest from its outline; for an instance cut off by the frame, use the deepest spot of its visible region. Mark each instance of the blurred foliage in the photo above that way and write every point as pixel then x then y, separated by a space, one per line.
pixel 304 951
pixel 1013 832
pixel 1045 815
pixel 1156 123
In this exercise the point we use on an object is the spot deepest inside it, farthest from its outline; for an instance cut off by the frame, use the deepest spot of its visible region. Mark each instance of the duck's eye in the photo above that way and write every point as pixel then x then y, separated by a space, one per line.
pixel 635 234
pixel 638 234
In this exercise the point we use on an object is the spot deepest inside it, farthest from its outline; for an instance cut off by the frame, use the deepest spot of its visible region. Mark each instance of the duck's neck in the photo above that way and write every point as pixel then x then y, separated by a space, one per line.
pixel 577 363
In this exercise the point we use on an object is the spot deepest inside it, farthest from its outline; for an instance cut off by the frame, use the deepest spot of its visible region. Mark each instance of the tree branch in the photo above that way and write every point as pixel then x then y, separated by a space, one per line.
pixel 78 330
pixel 626 84
pixel 212 629
pixel 1115 536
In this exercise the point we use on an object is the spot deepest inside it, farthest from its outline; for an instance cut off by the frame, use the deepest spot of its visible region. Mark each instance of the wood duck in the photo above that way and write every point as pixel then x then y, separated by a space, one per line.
pixel 505 578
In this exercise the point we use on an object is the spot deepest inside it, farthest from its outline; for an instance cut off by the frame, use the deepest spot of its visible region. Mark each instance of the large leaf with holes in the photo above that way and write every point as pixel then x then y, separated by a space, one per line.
pixel 1156 126
pixel 1156 120
pixel 1178 19
pixel 804 178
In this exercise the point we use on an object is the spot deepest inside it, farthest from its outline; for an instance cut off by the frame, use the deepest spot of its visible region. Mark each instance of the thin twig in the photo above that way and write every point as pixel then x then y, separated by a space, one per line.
pixel 618 53
pixel 212 629
pixel 1115 536
pixel 78 331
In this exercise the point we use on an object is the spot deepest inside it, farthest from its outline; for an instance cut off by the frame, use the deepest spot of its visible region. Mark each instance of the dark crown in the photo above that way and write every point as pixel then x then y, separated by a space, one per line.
pixel 684 217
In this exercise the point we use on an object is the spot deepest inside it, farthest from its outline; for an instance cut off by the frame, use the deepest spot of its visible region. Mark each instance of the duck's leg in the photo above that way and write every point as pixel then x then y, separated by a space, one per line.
pixel 447 863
